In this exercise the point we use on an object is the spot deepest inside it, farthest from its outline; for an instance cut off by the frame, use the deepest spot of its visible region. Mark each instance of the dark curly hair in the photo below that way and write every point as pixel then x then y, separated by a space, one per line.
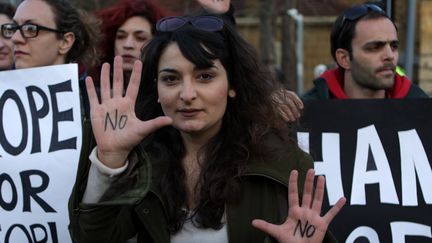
pixel 85 27
pixel 7 9
pixel 248 117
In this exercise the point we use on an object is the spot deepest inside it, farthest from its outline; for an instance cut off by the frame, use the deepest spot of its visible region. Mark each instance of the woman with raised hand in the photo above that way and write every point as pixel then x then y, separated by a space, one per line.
pixel 194 150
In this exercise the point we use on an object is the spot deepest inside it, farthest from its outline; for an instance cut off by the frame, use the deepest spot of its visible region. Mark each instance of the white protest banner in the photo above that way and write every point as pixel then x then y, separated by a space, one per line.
pixel 40 142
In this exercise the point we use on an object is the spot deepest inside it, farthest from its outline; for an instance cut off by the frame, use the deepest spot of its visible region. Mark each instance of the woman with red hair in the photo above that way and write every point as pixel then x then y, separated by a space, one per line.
pixel 126 27
pixel 129 24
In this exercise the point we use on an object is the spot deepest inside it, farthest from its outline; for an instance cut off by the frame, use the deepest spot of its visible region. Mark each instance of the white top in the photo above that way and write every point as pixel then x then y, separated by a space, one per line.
pixel 191 234
pixel 99 180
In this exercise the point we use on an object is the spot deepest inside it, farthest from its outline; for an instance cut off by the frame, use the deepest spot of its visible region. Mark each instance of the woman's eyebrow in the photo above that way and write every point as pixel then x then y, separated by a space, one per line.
pixel 169 70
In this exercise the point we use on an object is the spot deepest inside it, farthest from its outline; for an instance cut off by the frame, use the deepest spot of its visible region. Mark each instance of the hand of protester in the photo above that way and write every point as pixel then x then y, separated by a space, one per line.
pixel 215 6
pixel 115 126
pixel 304 222
pixel 288 104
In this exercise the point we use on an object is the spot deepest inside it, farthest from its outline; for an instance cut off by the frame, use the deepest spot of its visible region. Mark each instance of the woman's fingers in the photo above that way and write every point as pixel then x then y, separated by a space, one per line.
pixel 293 200
pixel 118 83
pixel 328 217
pixel 152 125
pixel 308 188
pixel 318 195
pixel 135 80
pixel 105 82
pixel 117 80
pixel 91 93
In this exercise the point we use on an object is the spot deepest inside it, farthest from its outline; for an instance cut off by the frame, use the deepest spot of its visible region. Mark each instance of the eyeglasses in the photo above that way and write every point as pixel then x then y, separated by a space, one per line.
pixel 207 23
pixel 27 30
pixel 360 11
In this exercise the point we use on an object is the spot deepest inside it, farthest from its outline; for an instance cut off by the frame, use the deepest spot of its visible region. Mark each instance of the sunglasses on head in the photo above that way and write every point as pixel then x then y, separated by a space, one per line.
pixel 360 11
pixel 207 23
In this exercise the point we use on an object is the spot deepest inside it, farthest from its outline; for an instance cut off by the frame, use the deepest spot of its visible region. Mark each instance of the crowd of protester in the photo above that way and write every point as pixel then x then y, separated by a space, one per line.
pixel 203 118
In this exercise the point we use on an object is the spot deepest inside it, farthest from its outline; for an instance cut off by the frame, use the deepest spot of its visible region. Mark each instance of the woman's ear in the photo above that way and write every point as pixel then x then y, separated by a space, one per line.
pixel 231 93
pixel 66 43
pixel 343 58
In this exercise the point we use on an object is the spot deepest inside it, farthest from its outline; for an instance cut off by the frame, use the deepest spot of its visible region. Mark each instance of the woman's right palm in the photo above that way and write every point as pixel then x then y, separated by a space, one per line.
pixel 115 126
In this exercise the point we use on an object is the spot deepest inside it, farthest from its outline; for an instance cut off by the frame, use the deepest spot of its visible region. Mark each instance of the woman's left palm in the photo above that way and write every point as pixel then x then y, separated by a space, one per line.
pixel 304 222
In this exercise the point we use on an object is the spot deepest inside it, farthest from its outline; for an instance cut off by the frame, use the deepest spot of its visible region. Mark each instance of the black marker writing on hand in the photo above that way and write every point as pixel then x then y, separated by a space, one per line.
pixel 119 122
pixel 308 230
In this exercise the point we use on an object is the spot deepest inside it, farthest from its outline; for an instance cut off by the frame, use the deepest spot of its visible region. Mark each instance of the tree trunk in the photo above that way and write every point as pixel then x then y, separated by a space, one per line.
pixel 289 59
pixel 266 17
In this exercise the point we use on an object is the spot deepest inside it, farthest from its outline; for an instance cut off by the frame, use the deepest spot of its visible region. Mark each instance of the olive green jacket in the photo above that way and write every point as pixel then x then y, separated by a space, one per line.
pixel 133 205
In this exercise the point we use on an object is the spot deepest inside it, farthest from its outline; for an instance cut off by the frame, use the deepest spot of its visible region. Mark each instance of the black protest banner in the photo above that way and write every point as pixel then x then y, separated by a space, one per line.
pixel 40 142
pixel 377 154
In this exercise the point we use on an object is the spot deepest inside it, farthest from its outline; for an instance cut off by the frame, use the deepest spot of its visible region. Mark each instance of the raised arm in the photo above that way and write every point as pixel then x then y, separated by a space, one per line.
pixel 215 6
pixel 304 222
pixel 116 128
